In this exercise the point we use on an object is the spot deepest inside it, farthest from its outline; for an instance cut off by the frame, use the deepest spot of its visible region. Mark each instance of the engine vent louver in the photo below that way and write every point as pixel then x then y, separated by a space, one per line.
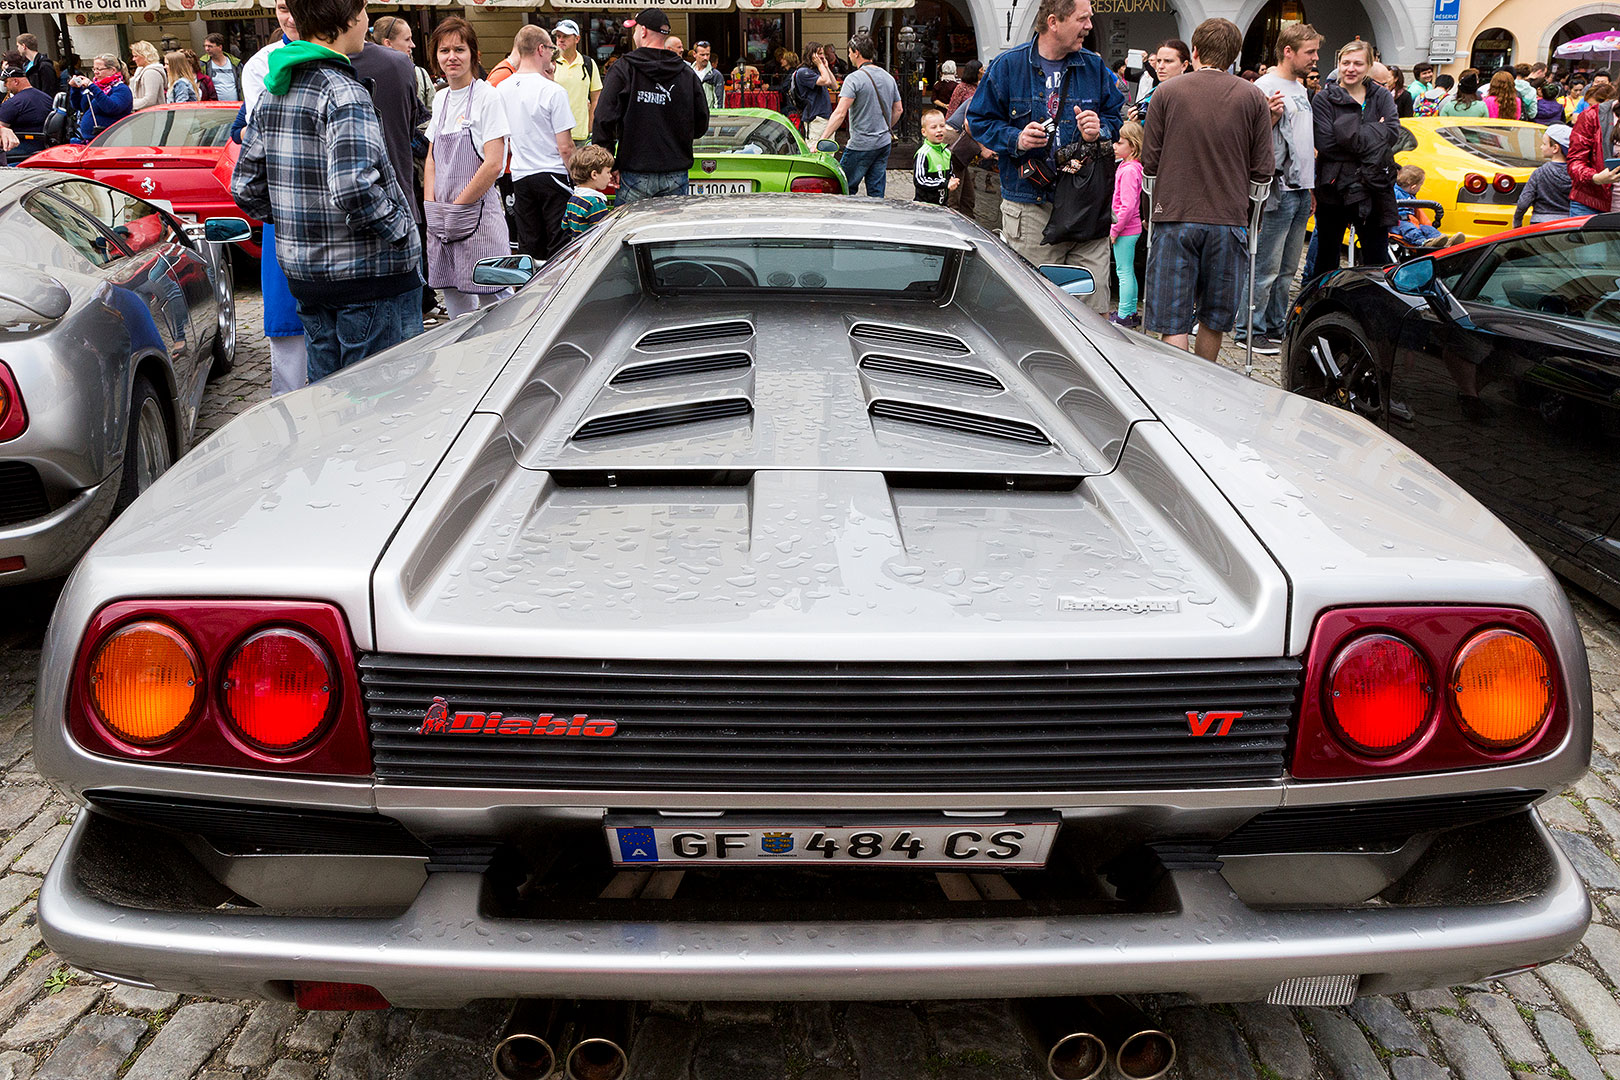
pixel 926 369
pixel 991 427
pixel 696 332
pixel 688 412
pixel 905 335
pixel 682 365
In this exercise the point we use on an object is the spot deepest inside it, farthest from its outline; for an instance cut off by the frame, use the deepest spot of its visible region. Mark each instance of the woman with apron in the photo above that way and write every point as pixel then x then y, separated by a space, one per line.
pixel 466 155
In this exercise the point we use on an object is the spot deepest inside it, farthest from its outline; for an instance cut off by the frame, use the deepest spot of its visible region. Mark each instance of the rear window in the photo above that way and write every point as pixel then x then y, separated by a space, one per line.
pixel 170 127
pixel 746 135
pixel 808 265
pixel 1509 147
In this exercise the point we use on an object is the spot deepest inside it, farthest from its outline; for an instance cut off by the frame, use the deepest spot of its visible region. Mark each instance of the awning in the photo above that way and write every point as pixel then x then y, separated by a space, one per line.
pixel 60 7
pixel 200 6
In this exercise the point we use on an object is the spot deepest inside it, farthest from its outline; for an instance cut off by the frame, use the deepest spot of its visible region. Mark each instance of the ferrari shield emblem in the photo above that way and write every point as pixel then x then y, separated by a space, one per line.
pixel 710 166
pixel 776 843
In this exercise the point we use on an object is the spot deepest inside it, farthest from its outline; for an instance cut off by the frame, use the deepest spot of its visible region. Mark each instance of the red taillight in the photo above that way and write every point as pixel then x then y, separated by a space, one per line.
pixel 1504 183
pixel 815 185
pixel 1379 693
pixel 277 682
pixel 1475 184
pixel 13 416
pixel 1374 708
pixel 344 996
pixel 278 690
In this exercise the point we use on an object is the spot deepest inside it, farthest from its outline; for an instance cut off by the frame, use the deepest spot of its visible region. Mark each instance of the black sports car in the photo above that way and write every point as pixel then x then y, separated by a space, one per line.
pixel 1499 362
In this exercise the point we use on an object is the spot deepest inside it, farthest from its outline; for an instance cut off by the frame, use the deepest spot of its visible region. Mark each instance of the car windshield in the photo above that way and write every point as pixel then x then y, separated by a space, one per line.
pixel 859 266
pixel 170 127
pixel 746 135
pixel 1509 147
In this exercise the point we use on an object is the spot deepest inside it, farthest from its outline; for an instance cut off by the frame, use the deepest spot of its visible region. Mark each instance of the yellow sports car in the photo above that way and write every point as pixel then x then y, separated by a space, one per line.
pixel 1474 167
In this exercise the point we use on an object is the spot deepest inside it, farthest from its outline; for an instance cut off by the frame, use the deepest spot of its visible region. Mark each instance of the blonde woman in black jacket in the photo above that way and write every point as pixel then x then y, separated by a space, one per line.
pixel 1356 127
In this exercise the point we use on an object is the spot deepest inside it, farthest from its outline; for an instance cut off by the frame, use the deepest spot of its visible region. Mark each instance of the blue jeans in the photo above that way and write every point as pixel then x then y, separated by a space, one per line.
pixel 635 186
pixel 1282 236
pixel 338 336
pixel 869 165
pixel 1580 209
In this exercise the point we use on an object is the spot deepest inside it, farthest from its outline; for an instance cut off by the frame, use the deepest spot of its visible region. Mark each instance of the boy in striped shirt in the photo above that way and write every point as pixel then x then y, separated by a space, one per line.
pixel 592 171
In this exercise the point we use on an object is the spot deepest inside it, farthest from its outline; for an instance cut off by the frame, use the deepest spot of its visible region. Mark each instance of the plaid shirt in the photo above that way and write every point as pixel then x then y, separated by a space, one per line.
pixel 314 163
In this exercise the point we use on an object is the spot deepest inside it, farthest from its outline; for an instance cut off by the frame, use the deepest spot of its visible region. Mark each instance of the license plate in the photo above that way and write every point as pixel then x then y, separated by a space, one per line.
pixel 934 843
pixel 722 187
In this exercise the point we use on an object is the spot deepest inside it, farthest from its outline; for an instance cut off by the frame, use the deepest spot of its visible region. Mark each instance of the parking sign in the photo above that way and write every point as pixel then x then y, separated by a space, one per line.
pixel 1446 10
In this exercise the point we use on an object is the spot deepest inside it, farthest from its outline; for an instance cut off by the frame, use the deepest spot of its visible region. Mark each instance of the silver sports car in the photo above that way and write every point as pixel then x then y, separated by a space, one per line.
pixel 784 598
pixel 111 318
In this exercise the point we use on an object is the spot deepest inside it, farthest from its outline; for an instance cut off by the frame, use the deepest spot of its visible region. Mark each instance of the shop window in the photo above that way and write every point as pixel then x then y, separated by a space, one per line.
pixel 609 40
pixel 1492 49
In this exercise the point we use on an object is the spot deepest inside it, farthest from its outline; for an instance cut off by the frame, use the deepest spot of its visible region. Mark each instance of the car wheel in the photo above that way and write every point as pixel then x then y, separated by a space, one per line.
pixel 225 333
pixel 148 443
pixel 1332 362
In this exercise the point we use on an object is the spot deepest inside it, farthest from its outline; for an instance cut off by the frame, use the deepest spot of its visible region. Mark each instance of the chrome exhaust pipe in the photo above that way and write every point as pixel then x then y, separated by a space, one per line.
pixel 1064 1040
pixel 1139 1049
pixel 596 1048
pixel 526 1049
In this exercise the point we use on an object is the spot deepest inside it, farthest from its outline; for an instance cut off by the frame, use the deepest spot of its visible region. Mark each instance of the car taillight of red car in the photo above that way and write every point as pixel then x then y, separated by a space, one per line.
pixel 814 185
pixel 262 685
pixel 1427 689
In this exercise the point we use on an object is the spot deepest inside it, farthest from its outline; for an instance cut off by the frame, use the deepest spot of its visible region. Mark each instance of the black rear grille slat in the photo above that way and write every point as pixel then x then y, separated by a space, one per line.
pixel 980 424
pixel 1342 826
pixel 242 827
pixel 691 412
pixel 923 369
pixel 724 330
pixel 907 335
pixel 22 493
pixel 839 726
pixel 682 365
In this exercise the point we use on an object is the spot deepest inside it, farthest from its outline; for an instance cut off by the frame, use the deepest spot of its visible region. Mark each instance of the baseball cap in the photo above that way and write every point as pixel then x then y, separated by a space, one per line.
pixel 1560 133
pixel 566 26
pixel 652 18
pixel 9 72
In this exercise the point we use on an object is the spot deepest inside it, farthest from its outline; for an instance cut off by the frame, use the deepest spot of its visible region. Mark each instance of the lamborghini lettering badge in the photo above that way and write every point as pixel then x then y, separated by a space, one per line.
pixel 438 720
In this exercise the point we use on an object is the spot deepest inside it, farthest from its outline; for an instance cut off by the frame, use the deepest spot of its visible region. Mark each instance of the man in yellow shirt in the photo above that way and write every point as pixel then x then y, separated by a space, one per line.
pixel 580 75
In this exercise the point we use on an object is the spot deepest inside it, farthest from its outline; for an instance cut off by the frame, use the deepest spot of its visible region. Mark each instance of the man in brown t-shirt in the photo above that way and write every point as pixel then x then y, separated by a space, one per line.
pixel 1208 136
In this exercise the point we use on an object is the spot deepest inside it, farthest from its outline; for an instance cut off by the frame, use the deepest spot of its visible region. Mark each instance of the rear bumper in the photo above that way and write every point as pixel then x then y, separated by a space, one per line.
pixel 445 950
pixel 51 544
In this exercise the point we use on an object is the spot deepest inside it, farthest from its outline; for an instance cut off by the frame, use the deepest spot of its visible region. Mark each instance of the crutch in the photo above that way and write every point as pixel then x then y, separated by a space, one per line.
pixel 1258 194
pixel 1147 254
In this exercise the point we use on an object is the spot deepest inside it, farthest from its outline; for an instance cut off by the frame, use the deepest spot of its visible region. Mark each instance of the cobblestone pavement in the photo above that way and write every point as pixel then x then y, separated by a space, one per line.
pixel 57 1023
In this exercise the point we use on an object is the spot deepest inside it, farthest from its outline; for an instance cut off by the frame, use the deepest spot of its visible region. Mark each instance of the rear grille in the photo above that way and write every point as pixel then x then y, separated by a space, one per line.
pixel 691 412
pixel 906 335
pixel 240 828
pixel 924 369
pixel 981 424
pixel 720 726
pixel 22 493
pixel 684 335
pixel 683 365
pixel 1378 824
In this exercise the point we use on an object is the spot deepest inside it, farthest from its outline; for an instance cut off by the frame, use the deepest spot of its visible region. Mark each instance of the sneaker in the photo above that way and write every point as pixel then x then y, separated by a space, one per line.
pixel 1266 345
pixel 1129 322
pixel 1456 238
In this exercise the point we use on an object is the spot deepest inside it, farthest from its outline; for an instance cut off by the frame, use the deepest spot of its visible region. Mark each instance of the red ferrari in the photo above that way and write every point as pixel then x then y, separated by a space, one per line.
pixel 167 152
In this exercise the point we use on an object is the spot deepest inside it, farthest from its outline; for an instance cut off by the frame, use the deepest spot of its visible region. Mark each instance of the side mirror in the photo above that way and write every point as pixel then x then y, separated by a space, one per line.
pixel 226 230
pixel 827 146
pixel 1074 280
pixel 1414 278
pixel 504 270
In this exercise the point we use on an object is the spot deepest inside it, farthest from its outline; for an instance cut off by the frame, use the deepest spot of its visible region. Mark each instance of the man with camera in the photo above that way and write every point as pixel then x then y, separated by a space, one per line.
pixel 1041 107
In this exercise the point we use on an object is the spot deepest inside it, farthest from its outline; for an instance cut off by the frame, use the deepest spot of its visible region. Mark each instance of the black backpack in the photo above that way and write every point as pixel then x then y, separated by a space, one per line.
pixel 792 100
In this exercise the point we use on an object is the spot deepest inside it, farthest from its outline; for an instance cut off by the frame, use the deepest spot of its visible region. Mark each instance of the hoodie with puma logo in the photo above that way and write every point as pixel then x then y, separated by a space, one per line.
pixel 652 107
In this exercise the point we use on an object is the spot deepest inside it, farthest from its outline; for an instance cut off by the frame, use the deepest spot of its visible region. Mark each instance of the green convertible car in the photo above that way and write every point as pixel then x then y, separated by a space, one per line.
pixel 749 150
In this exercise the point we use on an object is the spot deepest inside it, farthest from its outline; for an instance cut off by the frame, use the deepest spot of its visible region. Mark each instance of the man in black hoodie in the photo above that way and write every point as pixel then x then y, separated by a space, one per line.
pixel 652 107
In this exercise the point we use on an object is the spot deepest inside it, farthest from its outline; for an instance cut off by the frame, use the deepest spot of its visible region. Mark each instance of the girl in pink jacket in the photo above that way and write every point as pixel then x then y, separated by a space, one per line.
pixel 1127 227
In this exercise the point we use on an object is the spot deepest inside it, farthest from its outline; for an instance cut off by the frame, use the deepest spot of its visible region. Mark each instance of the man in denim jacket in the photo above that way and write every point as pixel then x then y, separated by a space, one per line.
pixel 1025 86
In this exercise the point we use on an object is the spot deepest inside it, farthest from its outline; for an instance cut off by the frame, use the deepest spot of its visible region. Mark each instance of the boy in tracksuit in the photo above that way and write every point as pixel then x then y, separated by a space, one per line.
pixel 932 172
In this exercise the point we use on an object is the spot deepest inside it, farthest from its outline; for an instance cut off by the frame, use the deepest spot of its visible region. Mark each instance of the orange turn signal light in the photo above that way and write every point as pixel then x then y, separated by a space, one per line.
pixel 146 682
pixel 1501 688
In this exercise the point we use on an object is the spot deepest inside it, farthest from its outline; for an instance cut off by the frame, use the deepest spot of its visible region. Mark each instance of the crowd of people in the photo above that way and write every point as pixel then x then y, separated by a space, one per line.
pixel 382 183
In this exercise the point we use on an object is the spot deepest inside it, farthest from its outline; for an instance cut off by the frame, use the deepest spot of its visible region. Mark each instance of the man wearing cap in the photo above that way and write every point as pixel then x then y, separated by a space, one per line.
pixel 579 75
pixel 25 107
pixel 652 108
pixel 1546 193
